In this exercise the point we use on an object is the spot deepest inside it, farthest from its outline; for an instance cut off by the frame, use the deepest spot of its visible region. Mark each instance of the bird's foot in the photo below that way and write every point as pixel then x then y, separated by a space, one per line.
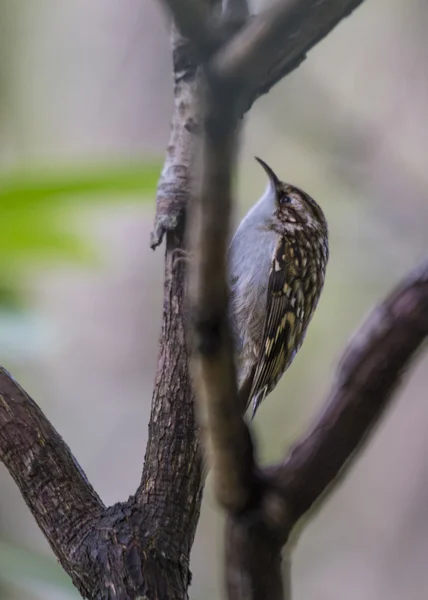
pixel 180 256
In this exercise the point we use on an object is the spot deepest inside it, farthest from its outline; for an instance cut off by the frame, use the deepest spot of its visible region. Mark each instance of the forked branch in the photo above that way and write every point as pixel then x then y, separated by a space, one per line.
pixel 369 372
pixel 48 476
pixel 233 79
pixel 263 506
pixel 276 42
pixel 142 546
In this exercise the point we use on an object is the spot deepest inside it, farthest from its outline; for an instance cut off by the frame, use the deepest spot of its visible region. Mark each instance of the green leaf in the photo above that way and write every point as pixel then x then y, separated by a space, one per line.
pixel 34 226
pixel 25 189
pixel 31 235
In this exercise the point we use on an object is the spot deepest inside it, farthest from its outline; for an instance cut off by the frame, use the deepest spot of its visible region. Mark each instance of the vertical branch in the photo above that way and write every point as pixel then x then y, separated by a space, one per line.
pixel 212 359
pixel 175 183
pixel 170 489
pixel 253 559
pixel 141 548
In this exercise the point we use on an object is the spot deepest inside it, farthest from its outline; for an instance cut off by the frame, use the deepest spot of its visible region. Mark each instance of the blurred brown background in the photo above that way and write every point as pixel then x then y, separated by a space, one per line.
pixel 89 81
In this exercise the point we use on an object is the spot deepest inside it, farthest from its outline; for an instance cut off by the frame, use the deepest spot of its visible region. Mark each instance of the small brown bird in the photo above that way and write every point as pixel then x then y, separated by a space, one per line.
pixel 277 262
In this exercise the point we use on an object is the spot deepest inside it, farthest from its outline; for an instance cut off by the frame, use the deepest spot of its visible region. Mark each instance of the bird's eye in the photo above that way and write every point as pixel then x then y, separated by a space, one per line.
pixel 284 199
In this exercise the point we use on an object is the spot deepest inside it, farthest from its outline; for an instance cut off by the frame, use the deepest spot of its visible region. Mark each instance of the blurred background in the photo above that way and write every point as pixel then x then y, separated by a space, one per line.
pixel 85 104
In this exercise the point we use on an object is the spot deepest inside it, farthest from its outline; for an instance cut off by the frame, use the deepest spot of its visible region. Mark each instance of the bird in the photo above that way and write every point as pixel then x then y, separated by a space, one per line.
pixel 277 261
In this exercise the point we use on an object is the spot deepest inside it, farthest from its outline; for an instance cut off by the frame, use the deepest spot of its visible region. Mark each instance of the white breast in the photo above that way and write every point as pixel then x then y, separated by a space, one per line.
pixel 250 258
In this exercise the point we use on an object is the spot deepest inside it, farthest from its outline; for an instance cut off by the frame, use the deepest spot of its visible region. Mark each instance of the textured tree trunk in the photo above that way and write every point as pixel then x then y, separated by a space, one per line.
pixel 140 549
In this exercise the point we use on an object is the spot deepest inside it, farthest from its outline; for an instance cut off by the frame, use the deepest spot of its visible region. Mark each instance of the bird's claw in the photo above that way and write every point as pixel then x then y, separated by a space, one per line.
pixel 179 255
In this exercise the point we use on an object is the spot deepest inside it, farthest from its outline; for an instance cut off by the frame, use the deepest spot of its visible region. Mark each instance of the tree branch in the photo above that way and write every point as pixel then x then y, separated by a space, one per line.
pixel 261 52
pixel 231 450
pixel 141 548
pixel 173 452
pixel 263 507
pixel 253 560
pixel 51 482
pixel 175 183
pixel 194 20
pixel 369 372
pixel 275 42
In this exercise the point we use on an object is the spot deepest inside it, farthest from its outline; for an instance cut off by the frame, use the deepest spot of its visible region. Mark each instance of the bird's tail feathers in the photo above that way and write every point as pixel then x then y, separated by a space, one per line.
pixel 246 394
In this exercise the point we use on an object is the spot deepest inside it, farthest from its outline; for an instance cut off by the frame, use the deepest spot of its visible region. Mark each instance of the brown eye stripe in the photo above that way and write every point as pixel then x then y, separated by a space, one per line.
pixel 316 210
pixel 289 190
pixel 295 282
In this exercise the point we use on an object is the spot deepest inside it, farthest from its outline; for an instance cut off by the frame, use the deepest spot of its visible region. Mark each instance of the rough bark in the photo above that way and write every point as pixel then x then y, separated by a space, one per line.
pixel 173 445
pixel 264 506
pixel 51 483
pixel 140 548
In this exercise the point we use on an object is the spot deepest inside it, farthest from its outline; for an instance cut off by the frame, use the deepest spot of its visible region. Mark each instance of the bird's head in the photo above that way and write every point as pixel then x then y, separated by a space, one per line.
pixel 293 208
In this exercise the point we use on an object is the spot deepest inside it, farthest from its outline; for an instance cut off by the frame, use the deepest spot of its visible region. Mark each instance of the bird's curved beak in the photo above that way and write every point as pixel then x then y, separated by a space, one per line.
pixel 272 177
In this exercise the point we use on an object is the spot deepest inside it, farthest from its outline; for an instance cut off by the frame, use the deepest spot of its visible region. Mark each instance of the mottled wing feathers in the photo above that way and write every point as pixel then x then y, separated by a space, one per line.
pixel 284 319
